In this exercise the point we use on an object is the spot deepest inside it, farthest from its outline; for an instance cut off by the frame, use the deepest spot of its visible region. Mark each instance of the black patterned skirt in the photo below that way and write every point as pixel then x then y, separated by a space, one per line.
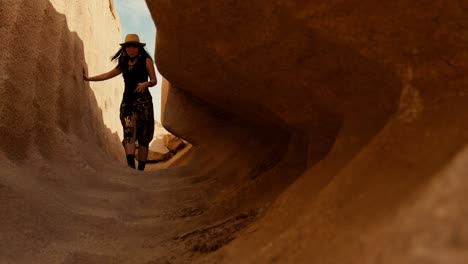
pixel 137 118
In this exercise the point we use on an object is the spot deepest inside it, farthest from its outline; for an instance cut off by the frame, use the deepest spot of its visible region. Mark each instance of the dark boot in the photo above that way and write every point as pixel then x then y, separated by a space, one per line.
pixel 141 165
pixel 131 161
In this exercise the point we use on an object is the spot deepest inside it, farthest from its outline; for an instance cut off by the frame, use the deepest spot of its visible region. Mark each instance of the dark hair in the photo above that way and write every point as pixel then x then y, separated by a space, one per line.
pixel 122 57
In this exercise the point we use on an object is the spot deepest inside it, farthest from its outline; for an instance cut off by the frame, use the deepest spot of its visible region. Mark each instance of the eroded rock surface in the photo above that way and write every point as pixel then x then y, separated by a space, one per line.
pixel 370 97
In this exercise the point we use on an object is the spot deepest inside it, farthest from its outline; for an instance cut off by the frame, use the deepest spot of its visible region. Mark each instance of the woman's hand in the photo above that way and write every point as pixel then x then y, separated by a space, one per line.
pixel 85 76
pixel 142 87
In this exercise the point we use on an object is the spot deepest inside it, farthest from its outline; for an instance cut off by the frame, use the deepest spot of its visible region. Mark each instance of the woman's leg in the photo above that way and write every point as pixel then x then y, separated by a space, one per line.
pixel 142 157
pixel 129 124
pixel 145 129
pixel 131 136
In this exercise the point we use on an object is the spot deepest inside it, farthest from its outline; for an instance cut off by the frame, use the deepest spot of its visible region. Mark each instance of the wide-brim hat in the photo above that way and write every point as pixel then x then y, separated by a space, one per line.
pixel 132 39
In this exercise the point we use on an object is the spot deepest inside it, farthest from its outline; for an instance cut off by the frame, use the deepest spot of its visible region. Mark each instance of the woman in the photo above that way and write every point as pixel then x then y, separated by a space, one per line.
pixel 136 109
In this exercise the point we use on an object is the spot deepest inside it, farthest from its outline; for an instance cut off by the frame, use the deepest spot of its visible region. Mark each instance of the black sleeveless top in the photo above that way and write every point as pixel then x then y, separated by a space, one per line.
pixel 133 75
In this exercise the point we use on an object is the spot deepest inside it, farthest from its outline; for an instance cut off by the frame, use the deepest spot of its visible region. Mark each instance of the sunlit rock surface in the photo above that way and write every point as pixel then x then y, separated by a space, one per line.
pixel 43 97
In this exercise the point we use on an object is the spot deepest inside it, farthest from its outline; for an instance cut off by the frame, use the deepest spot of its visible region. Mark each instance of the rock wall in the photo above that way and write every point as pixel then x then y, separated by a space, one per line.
pixel 56 131
pixel 371 95
pixel 98 26
pixel 44 100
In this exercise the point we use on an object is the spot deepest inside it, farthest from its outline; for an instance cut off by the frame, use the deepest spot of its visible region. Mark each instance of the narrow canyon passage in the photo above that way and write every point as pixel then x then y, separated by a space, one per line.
pixel 110 214
pixel 322 132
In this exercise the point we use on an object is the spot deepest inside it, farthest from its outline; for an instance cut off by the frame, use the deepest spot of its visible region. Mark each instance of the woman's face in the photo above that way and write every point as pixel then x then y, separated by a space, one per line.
pixel 132 50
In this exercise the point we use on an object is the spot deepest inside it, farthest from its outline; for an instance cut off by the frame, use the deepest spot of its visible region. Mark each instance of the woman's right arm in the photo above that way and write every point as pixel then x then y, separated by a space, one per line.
pixel 102 77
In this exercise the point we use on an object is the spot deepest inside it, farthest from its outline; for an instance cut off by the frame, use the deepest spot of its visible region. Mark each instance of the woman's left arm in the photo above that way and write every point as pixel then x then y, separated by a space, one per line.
pixel 151 72
pixel 141 87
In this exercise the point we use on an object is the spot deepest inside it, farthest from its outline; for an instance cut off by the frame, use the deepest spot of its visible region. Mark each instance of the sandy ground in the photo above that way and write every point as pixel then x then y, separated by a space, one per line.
pixel 89 211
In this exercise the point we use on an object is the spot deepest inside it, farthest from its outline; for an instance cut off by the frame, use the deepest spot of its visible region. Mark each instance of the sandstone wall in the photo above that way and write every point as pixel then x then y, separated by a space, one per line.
pixel 56 131
pixel 98 26
pixel 375 91
pixel 44 101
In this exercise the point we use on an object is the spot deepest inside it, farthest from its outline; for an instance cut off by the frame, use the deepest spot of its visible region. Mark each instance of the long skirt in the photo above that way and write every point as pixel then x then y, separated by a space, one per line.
pixel 137 118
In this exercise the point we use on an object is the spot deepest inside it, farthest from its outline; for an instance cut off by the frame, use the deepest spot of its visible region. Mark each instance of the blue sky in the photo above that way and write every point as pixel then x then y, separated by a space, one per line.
pixel 136 18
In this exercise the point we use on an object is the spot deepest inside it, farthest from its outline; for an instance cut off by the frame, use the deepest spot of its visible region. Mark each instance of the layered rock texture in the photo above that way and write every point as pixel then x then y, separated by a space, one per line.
pixel 53 139
pixel 43 97
pixel 321 132
pixel 365 100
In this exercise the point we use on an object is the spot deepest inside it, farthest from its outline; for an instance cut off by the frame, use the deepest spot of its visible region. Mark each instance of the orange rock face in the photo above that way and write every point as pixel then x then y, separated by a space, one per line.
pixel 370 96
pixel 298 62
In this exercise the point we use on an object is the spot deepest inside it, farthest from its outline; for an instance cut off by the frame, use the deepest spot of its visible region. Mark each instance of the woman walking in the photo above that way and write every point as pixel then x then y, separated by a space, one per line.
pixel 136 109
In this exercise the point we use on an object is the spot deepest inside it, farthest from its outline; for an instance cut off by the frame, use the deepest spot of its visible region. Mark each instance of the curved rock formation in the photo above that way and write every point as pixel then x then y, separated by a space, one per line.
pixel 370 95
pixel 53 140
pixel 322 131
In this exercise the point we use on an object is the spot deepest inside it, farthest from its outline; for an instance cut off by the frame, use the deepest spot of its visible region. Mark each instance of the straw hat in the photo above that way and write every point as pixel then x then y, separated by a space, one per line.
pixel 132 39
